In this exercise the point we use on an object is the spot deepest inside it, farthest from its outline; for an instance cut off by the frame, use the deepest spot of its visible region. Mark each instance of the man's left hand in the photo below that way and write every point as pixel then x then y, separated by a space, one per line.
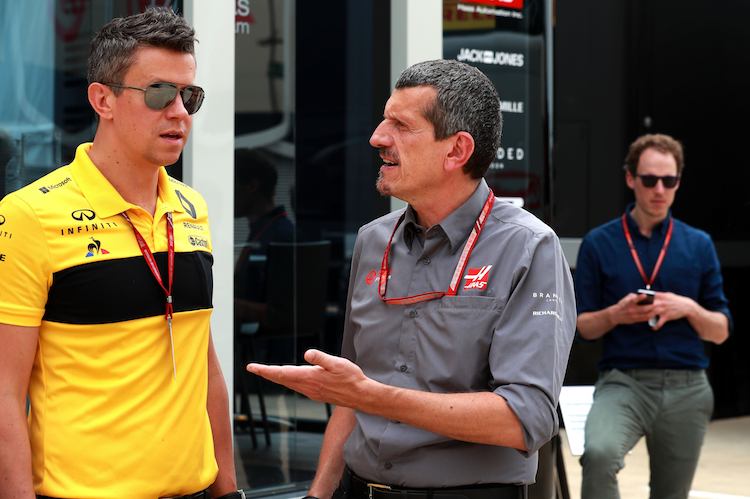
pixel 709 325
pixel 669 307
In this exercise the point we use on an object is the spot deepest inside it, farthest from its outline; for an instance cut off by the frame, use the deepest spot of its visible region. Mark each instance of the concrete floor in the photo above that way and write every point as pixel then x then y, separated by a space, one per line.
pixel 723 470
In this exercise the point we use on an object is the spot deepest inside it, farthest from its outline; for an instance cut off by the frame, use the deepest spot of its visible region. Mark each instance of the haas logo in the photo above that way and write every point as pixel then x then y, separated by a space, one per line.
pixel 477 278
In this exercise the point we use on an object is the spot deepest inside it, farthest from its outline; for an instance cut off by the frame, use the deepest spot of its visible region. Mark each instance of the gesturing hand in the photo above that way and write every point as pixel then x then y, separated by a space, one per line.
pixel 330 379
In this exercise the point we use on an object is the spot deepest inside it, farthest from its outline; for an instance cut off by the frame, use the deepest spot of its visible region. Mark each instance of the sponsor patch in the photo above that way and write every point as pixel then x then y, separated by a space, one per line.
pixel 477 278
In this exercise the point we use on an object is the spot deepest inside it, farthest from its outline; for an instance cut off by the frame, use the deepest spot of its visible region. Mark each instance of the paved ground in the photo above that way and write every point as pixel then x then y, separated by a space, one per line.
pixel 723 471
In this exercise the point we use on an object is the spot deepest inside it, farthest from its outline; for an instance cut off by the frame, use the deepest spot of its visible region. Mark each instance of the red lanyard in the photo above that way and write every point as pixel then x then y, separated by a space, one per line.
pixel 460 267
pixel 151 261
pixel 637 260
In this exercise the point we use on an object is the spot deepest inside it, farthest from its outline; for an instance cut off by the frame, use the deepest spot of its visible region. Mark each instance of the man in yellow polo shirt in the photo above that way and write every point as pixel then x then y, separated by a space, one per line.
pixel 105 296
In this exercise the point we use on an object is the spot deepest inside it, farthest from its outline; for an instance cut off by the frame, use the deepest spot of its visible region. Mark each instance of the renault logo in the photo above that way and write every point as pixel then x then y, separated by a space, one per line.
pixel 187 204
pixel 81 214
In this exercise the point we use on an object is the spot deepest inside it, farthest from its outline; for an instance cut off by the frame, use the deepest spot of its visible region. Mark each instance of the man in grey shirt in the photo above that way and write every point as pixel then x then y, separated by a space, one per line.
pixel 459 319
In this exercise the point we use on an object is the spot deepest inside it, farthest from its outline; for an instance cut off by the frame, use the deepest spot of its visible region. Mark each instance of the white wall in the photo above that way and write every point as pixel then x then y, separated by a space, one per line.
pixel 208 159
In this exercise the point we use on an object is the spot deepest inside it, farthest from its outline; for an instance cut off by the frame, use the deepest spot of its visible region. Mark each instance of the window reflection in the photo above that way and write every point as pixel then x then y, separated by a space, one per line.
pixel 309 119
pixel 277 432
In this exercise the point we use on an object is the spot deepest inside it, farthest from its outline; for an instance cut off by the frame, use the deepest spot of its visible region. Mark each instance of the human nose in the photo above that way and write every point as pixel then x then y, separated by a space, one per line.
pixel 380 137
pixel 177 108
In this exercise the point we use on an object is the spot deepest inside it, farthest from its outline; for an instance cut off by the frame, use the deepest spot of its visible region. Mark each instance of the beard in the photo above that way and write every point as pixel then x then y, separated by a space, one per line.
pixel 383 188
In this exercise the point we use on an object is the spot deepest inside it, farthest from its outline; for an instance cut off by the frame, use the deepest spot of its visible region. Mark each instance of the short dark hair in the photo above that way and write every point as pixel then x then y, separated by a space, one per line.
pixel 114 47
pixel 467 101
pixel 249 165
pixel 662 143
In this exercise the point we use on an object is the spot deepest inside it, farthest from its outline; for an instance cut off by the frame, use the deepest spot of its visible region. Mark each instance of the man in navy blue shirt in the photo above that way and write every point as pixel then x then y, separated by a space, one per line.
pixel 651 287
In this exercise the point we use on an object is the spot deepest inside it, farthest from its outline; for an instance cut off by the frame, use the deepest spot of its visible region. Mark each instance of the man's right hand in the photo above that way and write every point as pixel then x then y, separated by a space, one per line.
pixel 593 325
pixel 632 310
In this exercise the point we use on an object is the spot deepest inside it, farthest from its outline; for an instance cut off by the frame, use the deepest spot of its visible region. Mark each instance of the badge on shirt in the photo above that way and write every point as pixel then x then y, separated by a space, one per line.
pixel 477 278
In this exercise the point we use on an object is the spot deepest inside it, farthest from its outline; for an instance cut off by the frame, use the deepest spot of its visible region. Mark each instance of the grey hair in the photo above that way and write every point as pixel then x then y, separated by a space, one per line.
pixel 467 101
pixel 114 47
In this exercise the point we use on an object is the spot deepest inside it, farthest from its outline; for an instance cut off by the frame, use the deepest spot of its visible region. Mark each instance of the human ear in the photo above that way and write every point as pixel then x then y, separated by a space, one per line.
pixel 99 98
pixel 630 180
pixel 460 152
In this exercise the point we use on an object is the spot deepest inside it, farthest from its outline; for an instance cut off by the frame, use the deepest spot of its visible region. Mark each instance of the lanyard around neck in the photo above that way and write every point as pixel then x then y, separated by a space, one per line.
pixel 460 267
pixel 637 260
pixel 151 261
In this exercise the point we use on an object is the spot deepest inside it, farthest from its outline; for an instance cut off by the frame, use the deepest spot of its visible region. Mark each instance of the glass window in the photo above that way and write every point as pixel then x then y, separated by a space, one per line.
pixel 506 41
pixel 44 112
pixel 311 83
pixel 30 131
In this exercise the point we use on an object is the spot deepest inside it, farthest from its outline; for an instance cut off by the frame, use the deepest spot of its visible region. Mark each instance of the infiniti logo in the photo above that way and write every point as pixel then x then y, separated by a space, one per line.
pixel 81 214
pixel 2 220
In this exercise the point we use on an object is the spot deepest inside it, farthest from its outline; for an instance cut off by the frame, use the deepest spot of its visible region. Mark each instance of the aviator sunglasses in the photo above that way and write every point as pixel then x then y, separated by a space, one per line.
pixel 668 181
pixel 161 95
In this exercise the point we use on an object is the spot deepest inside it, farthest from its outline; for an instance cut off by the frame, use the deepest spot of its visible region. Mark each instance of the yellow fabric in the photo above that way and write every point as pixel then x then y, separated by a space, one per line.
pixel 108 419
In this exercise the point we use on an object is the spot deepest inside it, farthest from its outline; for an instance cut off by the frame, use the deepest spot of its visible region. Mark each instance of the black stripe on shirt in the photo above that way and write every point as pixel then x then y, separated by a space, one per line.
pixel 125 289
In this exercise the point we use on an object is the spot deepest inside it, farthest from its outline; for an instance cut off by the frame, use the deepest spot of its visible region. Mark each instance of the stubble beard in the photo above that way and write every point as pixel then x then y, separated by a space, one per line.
pixel 381 185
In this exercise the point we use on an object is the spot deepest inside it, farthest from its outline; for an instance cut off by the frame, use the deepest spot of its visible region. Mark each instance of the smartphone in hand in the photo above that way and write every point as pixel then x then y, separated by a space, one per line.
pixel 648 299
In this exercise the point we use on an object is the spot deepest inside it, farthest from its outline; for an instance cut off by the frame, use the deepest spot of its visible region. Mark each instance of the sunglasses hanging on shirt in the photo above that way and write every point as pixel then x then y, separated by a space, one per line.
pixel 161 95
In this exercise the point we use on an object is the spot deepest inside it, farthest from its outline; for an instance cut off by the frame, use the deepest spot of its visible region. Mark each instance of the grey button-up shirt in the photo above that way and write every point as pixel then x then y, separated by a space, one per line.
pixel 509 331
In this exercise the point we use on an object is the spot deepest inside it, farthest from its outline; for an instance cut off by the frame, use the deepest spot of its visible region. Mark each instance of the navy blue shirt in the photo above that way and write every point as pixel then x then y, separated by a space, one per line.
pixel 606 272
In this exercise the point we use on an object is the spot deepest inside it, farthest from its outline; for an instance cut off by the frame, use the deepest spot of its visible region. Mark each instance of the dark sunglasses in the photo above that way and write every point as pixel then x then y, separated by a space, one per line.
pixel 161 95
pixel 649 181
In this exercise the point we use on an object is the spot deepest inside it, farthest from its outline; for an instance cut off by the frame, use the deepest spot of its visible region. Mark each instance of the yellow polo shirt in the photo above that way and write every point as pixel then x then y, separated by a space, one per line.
pixel 108 417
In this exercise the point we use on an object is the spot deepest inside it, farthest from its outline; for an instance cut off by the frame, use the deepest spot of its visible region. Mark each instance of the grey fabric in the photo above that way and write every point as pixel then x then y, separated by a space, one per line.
pixel 512 337
pixel 671 408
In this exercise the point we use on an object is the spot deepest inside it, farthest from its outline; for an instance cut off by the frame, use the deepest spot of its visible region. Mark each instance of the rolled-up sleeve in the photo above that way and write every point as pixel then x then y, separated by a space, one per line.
pixel 532 340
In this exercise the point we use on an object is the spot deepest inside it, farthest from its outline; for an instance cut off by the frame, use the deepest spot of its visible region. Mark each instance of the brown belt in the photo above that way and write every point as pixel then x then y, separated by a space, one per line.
pixel 363 489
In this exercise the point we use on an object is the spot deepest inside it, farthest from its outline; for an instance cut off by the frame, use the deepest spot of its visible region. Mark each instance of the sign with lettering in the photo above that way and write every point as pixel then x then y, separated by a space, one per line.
pixel 507 43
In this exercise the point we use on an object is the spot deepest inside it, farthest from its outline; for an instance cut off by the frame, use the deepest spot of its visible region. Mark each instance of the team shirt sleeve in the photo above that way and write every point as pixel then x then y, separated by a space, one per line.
pixel 24 264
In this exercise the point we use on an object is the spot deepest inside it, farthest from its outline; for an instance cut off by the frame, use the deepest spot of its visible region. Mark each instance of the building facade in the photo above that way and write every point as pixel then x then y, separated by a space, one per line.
pixel 302 85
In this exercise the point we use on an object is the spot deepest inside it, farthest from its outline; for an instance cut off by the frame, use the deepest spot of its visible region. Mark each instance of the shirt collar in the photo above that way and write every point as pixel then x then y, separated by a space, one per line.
pixel 660 228
pixel 456 226
pixel 104 198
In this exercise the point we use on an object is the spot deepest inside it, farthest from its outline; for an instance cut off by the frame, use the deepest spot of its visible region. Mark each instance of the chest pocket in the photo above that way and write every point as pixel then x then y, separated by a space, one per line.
pixel 458 332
